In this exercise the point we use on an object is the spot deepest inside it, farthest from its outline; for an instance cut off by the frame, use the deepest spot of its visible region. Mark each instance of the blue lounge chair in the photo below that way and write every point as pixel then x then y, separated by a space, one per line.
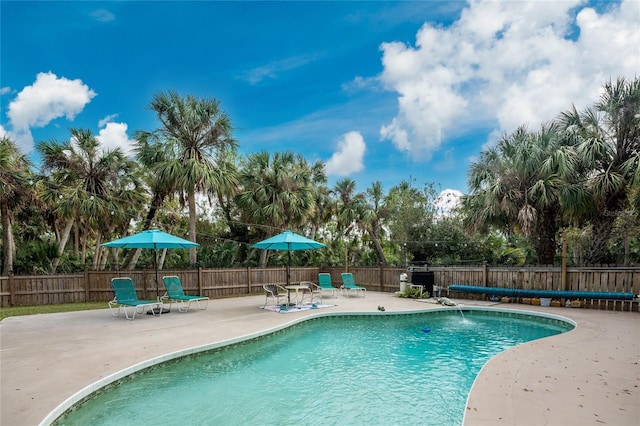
pixel 349 285
pixel 175 293
pixel 324 282
pixel 125 296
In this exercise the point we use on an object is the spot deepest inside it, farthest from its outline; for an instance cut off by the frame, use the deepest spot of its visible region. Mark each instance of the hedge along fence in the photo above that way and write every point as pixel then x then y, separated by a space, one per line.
pixel 93 286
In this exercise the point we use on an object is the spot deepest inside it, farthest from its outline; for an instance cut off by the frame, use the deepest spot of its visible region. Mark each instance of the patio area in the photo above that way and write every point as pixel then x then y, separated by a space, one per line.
pixel 588 376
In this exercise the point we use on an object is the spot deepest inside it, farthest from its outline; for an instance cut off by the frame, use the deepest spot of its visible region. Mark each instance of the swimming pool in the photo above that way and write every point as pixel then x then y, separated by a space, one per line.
pixel 347 369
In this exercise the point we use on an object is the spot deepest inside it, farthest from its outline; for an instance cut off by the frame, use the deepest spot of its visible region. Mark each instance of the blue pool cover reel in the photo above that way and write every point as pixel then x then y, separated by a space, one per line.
pixel 514 292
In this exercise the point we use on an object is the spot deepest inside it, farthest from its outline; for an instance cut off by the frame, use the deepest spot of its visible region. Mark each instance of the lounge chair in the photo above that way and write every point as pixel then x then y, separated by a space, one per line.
pixel 275 293
pixel 125 296
pixel 175 293
pixel 324 282
pixel 349 285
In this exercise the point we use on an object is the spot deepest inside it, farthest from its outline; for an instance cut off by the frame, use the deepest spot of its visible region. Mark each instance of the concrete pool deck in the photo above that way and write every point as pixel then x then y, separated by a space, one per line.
pixel 589 376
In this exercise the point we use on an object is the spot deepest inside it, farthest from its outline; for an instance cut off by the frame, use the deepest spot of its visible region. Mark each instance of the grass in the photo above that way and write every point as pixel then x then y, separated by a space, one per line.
pixel 49 309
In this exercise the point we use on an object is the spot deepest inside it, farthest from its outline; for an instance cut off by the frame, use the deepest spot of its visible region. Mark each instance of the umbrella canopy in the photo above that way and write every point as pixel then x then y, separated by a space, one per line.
pixel 288 241
pixel 152 239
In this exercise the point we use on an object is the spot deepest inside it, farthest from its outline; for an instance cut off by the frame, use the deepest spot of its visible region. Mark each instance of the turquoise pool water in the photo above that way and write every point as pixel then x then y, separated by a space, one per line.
pixel 339 370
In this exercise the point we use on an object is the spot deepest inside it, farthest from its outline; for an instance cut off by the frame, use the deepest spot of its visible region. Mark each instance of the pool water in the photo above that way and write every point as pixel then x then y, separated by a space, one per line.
pixel 338 370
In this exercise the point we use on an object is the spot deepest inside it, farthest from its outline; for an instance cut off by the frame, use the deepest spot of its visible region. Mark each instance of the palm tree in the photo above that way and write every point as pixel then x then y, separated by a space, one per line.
pixel 87 186
pixel 193 130
pixel 517 186
pixel 276 191
pixel 350 211
pixel 608 156
pixel 15 176
pixel 373 216
pixel 324 206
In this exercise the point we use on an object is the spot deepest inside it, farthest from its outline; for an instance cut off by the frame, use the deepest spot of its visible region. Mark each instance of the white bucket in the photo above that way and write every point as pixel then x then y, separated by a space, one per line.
pixel 545 301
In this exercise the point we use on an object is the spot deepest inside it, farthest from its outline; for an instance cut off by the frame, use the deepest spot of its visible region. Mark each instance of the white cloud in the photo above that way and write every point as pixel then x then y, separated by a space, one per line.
pixel 348 158
pixel 3 132
pixel 274 69
pixel 102 15
pixel 114 135
pixel 447 201
pixel 107 119
pixel 505 63
pixel 48 98
pixel 5 90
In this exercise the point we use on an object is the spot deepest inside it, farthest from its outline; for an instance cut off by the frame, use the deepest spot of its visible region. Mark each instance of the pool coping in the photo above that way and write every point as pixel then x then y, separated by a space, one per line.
pixel 31 391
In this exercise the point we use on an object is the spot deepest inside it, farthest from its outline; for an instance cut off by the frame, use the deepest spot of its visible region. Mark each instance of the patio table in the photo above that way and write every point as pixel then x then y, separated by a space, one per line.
pixel 297 288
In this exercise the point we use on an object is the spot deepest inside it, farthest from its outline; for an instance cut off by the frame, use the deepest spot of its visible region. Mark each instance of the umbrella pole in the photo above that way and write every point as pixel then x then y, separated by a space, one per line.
pixel 155 261
pixel 160 310
pixel 289 268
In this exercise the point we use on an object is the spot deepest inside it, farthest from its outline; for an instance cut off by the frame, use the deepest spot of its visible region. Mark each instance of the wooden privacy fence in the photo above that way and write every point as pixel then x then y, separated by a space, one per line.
pixel 93 286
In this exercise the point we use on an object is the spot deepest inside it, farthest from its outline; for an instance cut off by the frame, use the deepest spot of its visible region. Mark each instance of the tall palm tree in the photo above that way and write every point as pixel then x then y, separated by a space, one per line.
pixel 350 210
pixel 276 191
pixel 608 155
pixel 86 186
pixel 15 177
pixel 373 217
pixel 193 130
pixel 324 206
pixel 351 205
pixel 517 186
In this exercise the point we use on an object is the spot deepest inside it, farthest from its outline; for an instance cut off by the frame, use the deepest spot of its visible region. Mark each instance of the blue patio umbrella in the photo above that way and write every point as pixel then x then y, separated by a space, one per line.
pixel 288 241
pixel 152 239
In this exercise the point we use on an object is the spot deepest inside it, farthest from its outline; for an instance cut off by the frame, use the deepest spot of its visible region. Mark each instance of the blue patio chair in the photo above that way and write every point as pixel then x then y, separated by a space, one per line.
pixel 324 283
pixel 175 293
pixel 349 285
pixel 125 296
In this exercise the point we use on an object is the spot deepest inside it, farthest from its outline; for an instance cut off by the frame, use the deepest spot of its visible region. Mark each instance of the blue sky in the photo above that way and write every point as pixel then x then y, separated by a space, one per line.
pixel 377 90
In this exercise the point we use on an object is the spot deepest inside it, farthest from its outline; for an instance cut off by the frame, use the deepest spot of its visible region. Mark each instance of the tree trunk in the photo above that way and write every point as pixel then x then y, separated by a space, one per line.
pixel 263 259
pixel 193 254
pixel 375 238
pixel 543 239
pixel 135 255
pixel 62 243
pixel 7 264
pixel 98 252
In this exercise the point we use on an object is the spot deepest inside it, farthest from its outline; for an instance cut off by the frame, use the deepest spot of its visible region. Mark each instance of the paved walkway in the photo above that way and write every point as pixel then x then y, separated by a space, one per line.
pixel 590 376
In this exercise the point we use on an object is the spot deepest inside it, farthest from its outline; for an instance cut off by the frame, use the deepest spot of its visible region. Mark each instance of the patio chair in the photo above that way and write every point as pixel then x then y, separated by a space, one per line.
pixel 275 293
pixel 175 293
pixel 324 283
pixel 312 292
pixel 125 296
pixel 349 285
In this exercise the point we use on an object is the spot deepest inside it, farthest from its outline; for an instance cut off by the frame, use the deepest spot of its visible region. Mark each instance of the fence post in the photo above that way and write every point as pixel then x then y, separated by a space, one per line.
pixel 144 283
pixel 564 261
pixel 86 284
pixel 484 273
pixel 248 280
pixel 199 279
pixel 12 290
